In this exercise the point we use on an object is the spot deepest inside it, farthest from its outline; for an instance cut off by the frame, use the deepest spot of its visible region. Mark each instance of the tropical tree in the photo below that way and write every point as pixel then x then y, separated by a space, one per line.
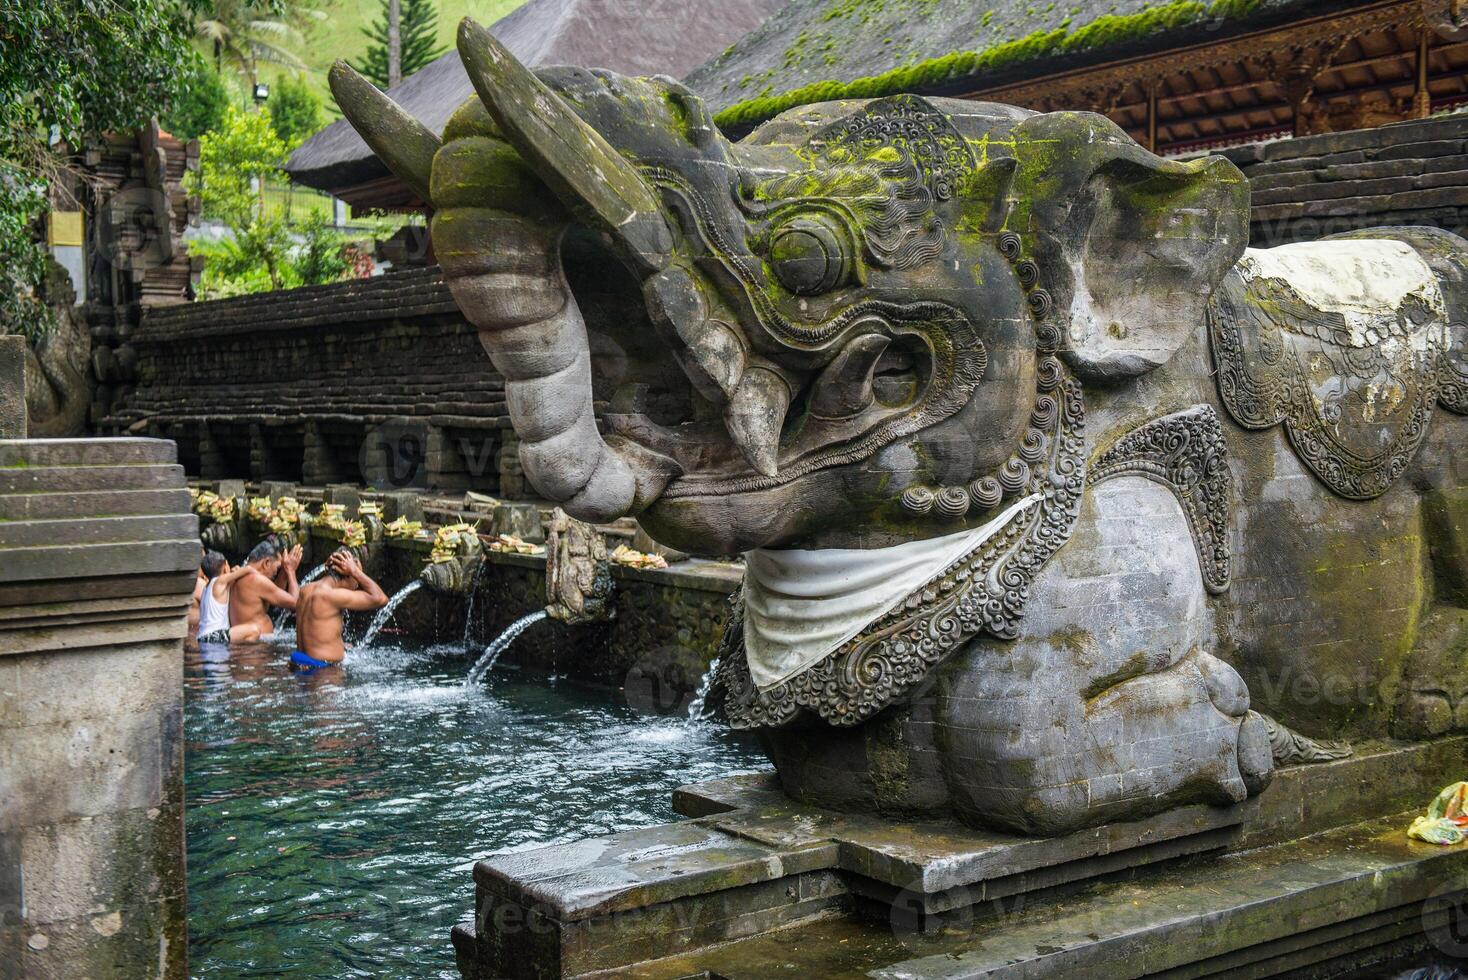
pixel 417 42
pixel 248 33
pixel 295 110
pixel 200 101
pixel 70 69
pixel 235 163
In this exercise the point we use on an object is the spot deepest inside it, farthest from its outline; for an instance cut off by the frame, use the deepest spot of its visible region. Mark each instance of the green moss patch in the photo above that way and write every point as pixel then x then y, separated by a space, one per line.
pixel 1100 34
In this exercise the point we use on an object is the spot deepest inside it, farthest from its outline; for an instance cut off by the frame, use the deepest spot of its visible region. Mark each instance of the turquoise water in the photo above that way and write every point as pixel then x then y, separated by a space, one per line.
pixel 333 821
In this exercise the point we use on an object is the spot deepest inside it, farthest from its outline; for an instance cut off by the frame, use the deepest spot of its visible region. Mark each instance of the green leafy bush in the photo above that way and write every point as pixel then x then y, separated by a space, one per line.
pixel 70 69
pixel 200 101
pixel 295 110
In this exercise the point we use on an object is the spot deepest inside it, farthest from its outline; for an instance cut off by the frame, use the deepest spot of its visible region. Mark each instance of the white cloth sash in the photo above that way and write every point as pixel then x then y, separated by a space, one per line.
pixel 799 606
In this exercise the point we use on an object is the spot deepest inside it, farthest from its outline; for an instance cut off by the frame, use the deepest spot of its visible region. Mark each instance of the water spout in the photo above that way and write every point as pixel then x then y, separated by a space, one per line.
pixel 469 606
pixel 695 709
pixel 492 652
pixel 385 613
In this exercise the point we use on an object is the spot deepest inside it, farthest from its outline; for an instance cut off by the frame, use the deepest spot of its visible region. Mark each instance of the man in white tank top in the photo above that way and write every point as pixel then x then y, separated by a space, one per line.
pixel 214 603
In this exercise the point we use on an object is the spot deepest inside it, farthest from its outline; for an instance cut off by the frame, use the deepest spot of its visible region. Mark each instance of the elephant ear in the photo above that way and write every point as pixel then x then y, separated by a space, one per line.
pixel 1130 246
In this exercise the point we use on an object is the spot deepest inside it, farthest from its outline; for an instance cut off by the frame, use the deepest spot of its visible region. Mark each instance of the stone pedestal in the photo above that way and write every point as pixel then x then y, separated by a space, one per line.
pixel 754 886
pixel 98 552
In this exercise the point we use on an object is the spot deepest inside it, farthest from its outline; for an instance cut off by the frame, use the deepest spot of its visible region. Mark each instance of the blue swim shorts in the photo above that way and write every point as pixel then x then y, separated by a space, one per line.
pixel 302 661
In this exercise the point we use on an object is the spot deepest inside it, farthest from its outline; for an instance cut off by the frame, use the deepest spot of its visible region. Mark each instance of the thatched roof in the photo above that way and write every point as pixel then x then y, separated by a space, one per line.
pixel 815 50
pixel 650 37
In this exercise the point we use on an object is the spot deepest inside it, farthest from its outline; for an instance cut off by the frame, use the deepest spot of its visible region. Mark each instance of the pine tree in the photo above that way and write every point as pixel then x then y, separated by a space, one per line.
pixel 418 27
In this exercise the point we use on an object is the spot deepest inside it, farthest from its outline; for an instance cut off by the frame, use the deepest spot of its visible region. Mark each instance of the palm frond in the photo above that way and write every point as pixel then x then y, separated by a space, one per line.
pixel 273 55
pixel 276 29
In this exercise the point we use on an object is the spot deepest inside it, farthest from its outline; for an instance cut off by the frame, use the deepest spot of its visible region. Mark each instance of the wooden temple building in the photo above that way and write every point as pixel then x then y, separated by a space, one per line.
pixel 1180 77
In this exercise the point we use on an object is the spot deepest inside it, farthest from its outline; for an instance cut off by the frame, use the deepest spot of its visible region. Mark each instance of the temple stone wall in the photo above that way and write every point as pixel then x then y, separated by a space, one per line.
pixel 1410 173
pixel 98 554
pixel 379 381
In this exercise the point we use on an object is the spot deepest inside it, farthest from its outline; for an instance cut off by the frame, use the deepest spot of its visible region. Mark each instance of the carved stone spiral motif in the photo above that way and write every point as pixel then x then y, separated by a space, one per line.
pixel 982 593
pixel 988 492
pixel 1187 453
pixel 952 502
pixel 919 500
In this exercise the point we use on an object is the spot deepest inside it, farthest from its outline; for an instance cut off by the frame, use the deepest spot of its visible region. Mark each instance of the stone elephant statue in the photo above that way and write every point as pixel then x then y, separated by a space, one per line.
pixel 1059 505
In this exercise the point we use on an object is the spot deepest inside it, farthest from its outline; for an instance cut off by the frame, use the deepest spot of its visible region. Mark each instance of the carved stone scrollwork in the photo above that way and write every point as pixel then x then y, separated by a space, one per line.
pixel 1356 407
pixel 1453 374
pixel 984 592
pixel 1187 453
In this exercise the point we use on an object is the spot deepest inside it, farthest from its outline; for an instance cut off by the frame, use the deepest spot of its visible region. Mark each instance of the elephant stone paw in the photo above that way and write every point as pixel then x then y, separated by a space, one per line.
pixel 1256 753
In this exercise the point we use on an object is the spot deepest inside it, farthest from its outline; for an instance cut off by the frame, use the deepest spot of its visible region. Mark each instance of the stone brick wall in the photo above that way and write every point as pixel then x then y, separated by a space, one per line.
pixel 1410 173
pixel 379 380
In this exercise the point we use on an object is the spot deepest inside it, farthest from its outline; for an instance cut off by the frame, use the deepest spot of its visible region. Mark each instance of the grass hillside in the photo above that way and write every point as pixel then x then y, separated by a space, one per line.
pixel 341 35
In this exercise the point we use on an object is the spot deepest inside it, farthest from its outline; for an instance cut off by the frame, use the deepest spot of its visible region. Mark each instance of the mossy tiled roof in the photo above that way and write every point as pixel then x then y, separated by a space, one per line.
pixel 815 50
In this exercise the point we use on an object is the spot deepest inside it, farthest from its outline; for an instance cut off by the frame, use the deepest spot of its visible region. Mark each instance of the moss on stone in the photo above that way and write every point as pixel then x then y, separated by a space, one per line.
pixel 1105 32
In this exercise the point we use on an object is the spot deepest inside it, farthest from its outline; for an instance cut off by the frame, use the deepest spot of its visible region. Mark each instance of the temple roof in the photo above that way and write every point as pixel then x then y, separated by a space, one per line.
pixel 651 37
pixel 815 50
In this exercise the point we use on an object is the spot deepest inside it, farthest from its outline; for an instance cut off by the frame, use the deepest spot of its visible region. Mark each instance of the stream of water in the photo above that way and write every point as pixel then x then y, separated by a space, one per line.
pixel 384 615
pixel 701 696
pixel 334 818
pixel 501 643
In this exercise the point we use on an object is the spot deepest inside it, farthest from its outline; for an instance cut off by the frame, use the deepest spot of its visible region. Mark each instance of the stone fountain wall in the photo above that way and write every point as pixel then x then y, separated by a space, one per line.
pixel 1408 173
pixel 377 381
pixel 663 634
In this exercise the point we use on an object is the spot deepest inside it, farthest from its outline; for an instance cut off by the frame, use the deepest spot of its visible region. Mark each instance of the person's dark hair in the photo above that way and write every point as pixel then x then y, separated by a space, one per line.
pixel 265 549
pixel 343 551
pixel 213 563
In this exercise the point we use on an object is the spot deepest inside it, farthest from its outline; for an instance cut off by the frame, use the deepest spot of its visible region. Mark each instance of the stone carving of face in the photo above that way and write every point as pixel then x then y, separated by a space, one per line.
pixel 823 335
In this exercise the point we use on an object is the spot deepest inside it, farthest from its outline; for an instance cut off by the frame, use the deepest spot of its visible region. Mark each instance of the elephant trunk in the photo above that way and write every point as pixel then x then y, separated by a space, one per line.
pixel 516 294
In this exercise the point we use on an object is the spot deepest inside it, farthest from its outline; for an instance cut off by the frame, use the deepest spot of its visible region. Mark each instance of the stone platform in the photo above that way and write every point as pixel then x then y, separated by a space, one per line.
pixel 1317 875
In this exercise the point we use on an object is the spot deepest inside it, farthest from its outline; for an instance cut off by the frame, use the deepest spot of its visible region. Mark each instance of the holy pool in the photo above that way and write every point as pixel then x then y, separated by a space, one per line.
pixel 333 821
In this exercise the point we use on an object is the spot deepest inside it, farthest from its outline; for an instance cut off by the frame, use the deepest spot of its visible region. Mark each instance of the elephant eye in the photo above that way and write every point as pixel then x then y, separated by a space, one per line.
pixel 811 254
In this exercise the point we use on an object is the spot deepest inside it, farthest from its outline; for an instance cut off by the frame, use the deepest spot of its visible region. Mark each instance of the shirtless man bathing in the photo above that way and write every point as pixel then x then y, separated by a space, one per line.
pixel 251 598
pixel 319 610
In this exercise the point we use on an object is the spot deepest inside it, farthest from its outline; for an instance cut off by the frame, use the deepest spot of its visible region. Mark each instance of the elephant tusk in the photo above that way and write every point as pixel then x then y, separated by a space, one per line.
pixel 755 416
pixel 401 142
pixel 590 177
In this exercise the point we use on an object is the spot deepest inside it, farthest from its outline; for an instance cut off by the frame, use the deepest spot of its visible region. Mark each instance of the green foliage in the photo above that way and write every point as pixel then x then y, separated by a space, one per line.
pixel 418 33
pixel 295 110
pixel 321 255
pixel 70 69
pixel 246 33
pixel 22 261
pixel 201 99
pixel 255 260
pixel 235 161
pixel 1104 32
